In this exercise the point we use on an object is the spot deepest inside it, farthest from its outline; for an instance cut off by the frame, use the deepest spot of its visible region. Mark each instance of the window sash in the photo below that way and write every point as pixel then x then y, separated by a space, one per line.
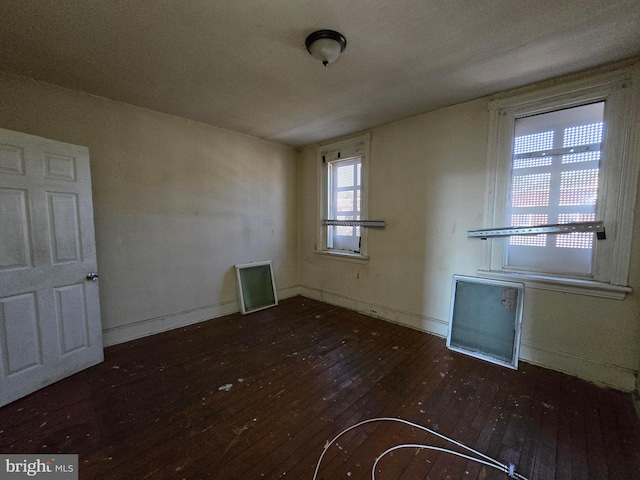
pixel 344 203
pixel 555 179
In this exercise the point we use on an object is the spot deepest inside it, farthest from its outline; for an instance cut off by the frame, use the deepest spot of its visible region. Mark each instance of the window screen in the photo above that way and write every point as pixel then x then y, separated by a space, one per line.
pixel 485 319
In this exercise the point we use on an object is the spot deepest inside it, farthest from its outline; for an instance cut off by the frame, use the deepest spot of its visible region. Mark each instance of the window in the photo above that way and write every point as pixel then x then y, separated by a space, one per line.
pixel 561 155
pixel 342 196
pixel 555 168
pixel 345 186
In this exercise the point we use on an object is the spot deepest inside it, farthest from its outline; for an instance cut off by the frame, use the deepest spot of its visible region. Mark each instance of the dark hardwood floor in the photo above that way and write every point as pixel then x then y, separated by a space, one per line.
pixel 259 396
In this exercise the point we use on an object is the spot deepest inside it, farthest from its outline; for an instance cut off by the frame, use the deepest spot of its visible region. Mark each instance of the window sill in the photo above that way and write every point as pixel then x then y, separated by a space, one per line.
pixel 557 284
pixel 345 256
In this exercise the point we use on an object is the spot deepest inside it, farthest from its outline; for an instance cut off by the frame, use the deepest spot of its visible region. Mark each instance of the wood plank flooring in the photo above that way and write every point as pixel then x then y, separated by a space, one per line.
pixel 259 396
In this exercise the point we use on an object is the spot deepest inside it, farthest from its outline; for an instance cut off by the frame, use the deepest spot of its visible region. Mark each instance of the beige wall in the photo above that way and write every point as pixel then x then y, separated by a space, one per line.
pixel 176 204
pixel 427 181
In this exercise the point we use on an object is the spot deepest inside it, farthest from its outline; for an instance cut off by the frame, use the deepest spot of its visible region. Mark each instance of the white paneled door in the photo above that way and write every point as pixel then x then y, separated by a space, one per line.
pixel 49 307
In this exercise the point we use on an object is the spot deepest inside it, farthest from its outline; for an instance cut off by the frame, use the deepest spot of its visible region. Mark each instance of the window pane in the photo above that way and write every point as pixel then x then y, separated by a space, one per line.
pixel 579 187
pixel 576 239
pixel 344 231
pixel 592 156
pixel 531 190
pixel 344 201
pixel 532 162
pixel 529 220
pixel 345 176
pixel 535 142
pixel 583 135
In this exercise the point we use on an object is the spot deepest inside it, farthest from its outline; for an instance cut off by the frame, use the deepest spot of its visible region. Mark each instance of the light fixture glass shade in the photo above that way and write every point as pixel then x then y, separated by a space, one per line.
pixel 326 50
pixel 326 45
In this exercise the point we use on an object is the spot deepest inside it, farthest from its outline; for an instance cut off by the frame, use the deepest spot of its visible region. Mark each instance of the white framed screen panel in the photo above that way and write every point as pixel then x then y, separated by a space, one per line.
pixel 485 319
pixel 256 286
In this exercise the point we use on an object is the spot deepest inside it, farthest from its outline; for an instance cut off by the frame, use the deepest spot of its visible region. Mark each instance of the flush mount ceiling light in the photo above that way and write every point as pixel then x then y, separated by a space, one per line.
pixel 326 45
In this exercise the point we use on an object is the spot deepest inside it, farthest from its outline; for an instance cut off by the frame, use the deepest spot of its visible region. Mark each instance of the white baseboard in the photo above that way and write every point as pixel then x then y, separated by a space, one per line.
pixel 606 375
pixel 408 319
pixel 151 326
pixel 603 374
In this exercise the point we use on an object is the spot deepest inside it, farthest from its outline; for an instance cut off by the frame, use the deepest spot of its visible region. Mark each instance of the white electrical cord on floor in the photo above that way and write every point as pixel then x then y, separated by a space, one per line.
pixel 485 460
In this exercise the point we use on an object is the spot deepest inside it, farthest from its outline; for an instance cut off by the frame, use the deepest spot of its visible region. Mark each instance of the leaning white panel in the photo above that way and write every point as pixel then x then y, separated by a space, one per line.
pixel 485 319
pixel 256 286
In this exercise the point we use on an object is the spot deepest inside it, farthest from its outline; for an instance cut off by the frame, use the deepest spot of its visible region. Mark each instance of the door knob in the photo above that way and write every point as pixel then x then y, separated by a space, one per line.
pixel 92 276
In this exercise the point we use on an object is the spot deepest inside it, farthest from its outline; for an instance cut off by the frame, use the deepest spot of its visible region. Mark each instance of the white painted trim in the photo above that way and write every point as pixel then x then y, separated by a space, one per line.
pixel 343 256
pixel 621 89
pixel 393 315
pixel 560 284
pixel 288 292
pixel 628 184
pixel 604 374
pixel 151 326
pixel 610 375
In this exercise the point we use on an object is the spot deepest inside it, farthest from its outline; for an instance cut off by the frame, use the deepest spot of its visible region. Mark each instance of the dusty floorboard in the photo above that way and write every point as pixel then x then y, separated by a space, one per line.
pixel 258 396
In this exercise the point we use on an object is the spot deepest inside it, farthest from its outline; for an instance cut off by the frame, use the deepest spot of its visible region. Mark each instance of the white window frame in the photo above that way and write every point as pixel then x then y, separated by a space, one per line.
pixel 342 150
pixel 619 173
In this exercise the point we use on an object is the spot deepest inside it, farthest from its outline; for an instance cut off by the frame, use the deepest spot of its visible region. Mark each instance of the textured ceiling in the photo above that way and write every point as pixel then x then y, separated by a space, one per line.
pixel 242 65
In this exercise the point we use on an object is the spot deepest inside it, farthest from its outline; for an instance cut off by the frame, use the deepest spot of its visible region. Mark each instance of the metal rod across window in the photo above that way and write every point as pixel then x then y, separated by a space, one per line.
pixel 593 147
pixel 597 227
pixel 356 223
